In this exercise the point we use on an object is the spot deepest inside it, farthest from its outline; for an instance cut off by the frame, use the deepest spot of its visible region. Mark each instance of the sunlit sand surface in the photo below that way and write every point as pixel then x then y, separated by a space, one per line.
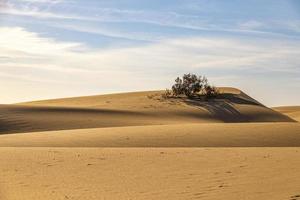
pixel 142 146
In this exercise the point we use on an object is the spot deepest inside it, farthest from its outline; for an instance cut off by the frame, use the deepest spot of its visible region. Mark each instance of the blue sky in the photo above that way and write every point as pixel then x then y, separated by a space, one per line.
pixel 60 48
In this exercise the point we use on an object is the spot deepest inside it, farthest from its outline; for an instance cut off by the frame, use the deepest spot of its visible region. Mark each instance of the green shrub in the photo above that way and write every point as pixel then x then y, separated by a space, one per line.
pixel 191 85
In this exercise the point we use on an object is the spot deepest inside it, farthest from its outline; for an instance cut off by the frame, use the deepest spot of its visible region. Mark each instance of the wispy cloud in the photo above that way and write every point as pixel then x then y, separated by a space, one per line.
pixel 43 1
pixel 31 9
pixel 23 48
pixel 106 32
pixel 250 25
pixel 200 22
pixel 20 40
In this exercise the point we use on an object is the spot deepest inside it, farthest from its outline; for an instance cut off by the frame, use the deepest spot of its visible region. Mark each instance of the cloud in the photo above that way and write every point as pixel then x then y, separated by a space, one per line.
pixel 250 25
pixel 20 40
pixel 144 37
pixel 43 1
pixel 22 47
pixel 169 19
pixel 30 57
pixel 31 9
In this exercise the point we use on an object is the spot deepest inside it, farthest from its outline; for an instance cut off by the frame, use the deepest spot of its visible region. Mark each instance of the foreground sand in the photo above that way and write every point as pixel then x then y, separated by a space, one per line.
pixel 149 173
pixel 141 146
pixel 259 163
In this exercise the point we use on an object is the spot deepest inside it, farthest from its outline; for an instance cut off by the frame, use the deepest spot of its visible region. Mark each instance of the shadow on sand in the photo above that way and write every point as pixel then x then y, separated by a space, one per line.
pixel 222 107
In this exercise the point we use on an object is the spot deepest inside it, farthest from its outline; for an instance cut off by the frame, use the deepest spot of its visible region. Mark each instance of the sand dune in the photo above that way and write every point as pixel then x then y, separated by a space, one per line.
pixel 62 148
pixel 132 109
pixel 131 100
pixel 183 135
pixel 291 111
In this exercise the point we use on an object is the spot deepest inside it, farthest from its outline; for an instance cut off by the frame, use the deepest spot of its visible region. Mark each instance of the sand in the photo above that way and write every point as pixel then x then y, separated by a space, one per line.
pixel 142 146
pixel 183 135
pixel 291 111
pixel 149 173
pixel 132 109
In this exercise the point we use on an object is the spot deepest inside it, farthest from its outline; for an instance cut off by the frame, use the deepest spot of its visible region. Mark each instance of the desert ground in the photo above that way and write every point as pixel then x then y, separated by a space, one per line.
pixel 142 146
pixel 291 111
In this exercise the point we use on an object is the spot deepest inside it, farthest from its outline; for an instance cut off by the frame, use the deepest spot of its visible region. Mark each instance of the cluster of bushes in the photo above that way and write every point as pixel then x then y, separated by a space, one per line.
pixel 191 85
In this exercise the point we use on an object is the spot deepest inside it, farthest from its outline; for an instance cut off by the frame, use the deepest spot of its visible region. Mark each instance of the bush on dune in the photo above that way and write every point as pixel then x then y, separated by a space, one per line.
pixel 191 86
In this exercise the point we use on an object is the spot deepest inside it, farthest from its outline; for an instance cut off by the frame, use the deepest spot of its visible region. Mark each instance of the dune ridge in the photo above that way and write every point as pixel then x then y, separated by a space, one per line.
pixel 182 135
pixel 132 109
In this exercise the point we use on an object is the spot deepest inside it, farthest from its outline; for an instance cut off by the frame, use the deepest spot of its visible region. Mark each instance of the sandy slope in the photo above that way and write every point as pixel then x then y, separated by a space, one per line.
pixel 149 173
pixel 132 109
pixel 183 135
pixel 291 111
